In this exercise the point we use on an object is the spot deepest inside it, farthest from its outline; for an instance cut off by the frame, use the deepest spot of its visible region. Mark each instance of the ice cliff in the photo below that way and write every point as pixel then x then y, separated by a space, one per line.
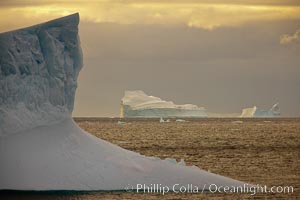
pixel 255 112
pixel 138 104
pixel 41 147
pixel 39 66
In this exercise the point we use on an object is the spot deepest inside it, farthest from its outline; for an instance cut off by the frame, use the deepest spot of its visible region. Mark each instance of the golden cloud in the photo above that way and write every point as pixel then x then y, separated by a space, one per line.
pixel 288 39
pixel 207 14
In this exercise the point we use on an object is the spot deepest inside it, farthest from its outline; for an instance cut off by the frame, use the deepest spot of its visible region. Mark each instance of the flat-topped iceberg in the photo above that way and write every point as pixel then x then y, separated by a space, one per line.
pixel 41 147
pixel 137 104
pixel 255 112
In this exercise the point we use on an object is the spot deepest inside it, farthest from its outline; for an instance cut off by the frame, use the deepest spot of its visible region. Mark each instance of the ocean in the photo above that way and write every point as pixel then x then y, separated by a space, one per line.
pixel 255 151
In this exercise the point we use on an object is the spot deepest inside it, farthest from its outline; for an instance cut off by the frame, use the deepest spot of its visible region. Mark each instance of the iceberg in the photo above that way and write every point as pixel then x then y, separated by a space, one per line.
pixel 161 120
pixel 255 112
pixel 39 66
pixel 137 104
pixel 180 120
pixel 41 147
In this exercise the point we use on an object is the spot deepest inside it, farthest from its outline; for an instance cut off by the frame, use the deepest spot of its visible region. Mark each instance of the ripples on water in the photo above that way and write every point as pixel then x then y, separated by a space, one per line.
pixel 257 151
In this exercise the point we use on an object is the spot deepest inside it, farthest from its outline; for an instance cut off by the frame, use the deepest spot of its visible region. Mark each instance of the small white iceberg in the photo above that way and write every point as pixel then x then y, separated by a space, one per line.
pixel 237 122
pixel 161 120
pixel 180 120
pixel 255 112
pixel 121 123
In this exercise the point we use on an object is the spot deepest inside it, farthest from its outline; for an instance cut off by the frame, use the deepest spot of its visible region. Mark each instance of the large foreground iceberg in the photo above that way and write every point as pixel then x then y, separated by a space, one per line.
pixel 137 104
pixel 41 147
pixel 254 112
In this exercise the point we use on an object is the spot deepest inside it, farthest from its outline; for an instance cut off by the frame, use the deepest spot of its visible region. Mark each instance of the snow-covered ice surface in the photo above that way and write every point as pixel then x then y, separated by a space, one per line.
pixel 63 157
pixel 255 112
pixel 41 147
pixel 138 104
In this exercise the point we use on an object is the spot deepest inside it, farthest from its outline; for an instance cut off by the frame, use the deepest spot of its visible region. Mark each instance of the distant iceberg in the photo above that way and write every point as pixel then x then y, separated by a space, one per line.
pixel 137 104
pixel 255 112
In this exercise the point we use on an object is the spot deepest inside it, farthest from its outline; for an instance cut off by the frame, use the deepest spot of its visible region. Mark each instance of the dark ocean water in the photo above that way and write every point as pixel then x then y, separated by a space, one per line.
pixel 257 151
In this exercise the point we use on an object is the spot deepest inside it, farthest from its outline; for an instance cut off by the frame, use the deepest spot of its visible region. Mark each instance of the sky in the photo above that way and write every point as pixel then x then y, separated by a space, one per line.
pixel 224 55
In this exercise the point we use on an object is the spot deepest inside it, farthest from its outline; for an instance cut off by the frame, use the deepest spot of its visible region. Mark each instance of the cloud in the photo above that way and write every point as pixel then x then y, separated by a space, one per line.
pixel 197 15
pixel 288 39
pixel 13 3
pixel 191 13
